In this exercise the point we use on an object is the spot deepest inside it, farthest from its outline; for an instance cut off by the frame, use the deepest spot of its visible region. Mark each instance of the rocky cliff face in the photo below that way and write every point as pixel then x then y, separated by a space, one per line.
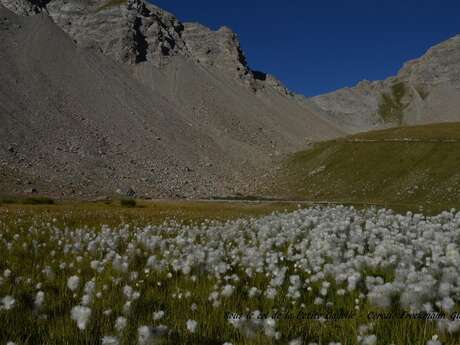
pixel 219 48
pixel 134 31
pixel 441 64
pixel 425 90
pixel 128 31
pixel 25 7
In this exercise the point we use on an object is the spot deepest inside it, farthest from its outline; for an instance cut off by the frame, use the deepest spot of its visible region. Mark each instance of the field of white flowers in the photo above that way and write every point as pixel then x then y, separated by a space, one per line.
pixel 278 279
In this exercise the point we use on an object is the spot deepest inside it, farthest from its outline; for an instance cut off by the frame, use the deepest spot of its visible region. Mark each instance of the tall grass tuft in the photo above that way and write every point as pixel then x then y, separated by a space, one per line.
pixel 38 200
pixel 128 203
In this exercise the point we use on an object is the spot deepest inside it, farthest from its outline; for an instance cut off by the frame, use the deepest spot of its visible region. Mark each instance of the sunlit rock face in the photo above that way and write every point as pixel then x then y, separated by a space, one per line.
pixel 135 31
pixel 425 90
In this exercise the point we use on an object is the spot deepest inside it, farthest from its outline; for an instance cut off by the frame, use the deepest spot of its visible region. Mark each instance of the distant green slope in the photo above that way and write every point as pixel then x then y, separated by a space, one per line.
pixel 416 165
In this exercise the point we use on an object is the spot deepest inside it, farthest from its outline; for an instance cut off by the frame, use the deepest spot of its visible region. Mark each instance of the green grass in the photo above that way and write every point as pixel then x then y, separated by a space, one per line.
pixel 93 214
pixel 128 203
pixel 374 167
pixel 7 200
pixel 39 200
pixel 33 200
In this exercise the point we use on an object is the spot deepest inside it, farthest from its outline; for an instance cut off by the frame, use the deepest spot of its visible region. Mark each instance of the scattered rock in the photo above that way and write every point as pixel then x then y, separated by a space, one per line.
pixel 101 198
pixel 130 193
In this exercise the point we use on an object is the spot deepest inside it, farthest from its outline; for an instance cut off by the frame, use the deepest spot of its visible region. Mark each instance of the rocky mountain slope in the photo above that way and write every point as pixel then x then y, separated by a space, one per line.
pixel 134 31
pixel 425 90
pixel 128 98
pixel 72 120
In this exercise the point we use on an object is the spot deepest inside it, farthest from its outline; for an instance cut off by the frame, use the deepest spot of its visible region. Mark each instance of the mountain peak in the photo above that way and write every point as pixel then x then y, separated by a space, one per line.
pixel 425 90
pixel 135 31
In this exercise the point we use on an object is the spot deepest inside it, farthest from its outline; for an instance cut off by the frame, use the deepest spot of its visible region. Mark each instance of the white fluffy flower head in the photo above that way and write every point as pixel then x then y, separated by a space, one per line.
pixel 81 314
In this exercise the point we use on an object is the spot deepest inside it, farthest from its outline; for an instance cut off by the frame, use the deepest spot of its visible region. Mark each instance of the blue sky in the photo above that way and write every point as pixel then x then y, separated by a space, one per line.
pixel 319 46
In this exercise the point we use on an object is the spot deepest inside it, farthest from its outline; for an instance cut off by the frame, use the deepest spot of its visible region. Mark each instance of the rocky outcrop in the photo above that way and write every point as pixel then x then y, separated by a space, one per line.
pixel 425 90
pixel 440 65
pixel 26 7
pixel 130 32
pixel 219 48
pixel 134 31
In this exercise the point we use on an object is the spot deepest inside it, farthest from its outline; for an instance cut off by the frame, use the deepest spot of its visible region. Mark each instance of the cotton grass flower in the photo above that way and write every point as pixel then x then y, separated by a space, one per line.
pixel 128 292
pixel 86 300
pixel 90 287
pixel 39 299
pixel 253 292
pixel 434 341
pixel 81 314
pixel 447 304
pixel 73 283
pixel 127 308
pixel 297 341
pixel 271 293
pixel 269 326
pixel 191 325
pixel 449 326
pixel 120 323
pixel 144 335
pixel 227 291
pixel 110 340
pixel 95 265
pixel 8 303
pixel 158 315
pixel 369 340
pixel 318 301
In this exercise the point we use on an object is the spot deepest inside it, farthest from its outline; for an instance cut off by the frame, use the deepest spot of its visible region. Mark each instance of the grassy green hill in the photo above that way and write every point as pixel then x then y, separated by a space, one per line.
pixel 407 165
